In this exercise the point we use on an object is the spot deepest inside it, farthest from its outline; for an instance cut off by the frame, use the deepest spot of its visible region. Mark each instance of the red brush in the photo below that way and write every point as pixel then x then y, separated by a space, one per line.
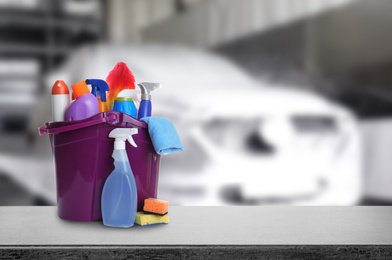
pixel 119 78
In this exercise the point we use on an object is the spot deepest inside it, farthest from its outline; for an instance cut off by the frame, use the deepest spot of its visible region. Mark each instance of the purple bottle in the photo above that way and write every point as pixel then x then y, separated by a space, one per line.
pixel 85 105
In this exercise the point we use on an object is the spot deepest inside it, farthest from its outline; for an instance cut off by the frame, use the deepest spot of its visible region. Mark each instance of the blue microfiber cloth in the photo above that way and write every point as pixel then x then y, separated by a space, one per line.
pixel 163 135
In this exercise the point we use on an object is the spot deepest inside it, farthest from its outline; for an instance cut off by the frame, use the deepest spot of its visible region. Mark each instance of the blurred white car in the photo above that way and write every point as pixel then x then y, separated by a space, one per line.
pixel 246 142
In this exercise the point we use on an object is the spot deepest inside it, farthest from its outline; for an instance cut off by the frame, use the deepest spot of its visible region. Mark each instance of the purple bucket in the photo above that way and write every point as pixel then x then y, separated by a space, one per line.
pixel 83 160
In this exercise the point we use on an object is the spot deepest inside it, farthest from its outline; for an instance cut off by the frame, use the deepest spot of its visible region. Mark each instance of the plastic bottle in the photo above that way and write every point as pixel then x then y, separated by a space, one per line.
pixel 126 102
pixel 99 88
pixel 85 104
pixel 119 195
pixel 60 100
pixel 145 104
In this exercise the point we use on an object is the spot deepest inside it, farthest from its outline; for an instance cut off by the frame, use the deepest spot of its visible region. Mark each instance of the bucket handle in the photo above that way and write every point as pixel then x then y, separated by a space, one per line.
pixel 43 130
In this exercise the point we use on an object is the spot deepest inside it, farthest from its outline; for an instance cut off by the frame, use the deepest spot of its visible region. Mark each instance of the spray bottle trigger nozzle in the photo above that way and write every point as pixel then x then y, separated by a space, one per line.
pixel 131 141
pixel 132 131
pixel 147 88
pixel 121 135
pixel 98 85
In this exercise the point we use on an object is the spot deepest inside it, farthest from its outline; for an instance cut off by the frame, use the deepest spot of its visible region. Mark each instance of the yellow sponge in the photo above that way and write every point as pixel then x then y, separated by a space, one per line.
pixel 144 219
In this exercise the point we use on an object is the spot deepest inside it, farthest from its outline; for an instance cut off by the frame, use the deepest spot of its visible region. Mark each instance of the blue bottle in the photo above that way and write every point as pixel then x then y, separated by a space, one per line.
pixel 145 104
pixel 144 109
pixel 125 102
pixel 119 195
pixel 125 105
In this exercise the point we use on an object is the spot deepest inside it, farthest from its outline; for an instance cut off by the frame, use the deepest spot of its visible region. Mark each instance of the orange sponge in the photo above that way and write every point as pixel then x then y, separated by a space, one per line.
pixel 156 206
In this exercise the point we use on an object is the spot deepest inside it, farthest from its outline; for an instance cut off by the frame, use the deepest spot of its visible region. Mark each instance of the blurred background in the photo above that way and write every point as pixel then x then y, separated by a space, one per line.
pixel 277 102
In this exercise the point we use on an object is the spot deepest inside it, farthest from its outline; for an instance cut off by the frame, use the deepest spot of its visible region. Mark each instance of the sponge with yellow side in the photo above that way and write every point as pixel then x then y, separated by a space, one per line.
pixel 156 206
pixel 144 219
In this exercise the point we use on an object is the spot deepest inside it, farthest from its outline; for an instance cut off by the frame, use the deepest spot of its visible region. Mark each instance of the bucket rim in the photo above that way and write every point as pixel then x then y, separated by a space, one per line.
pixel 120 118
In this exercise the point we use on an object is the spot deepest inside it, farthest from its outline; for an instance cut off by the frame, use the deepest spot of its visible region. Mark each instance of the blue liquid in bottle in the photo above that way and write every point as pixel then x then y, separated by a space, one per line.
pixel 119 195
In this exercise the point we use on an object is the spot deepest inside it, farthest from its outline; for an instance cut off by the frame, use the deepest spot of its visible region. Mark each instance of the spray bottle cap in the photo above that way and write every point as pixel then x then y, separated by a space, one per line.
pixel 80 88
pixel 121 135
pixel 60 88
pixel 128 94
pixel 99 88
pixel 146 88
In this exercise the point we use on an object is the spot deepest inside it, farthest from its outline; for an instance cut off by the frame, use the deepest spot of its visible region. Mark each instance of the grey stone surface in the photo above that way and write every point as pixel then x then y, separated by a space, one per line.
pixel 204 232
pixel 207 226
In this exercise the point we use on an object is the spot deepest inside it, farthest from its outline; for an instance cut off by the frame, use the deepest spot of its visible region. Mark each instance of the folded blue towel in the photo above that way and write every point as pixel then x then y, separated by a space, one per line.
pixel 163 135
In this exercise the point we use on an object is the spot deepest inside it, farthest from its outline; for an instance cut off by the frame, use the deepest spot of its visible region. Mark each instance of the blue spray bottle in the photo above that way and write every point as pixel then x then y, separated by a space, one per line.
pixel 99 89
pixel 119 195
pixel 145 104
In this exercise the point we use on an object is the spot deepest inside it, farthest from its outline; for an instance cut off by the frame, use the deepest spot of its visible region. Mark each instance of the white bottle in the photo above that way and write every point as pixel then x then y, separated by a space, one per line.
pixel 60 100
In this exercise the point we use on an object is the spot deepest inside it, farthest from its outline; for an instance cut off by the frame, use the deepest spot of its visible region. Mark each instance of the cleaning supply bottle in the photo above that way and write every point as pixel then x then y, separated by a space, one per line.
pixel 99 88
pixel 60 100
pixel 119 78
pixel 125 102
pixel 119 195
pixel 145 104
pixel 85 105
